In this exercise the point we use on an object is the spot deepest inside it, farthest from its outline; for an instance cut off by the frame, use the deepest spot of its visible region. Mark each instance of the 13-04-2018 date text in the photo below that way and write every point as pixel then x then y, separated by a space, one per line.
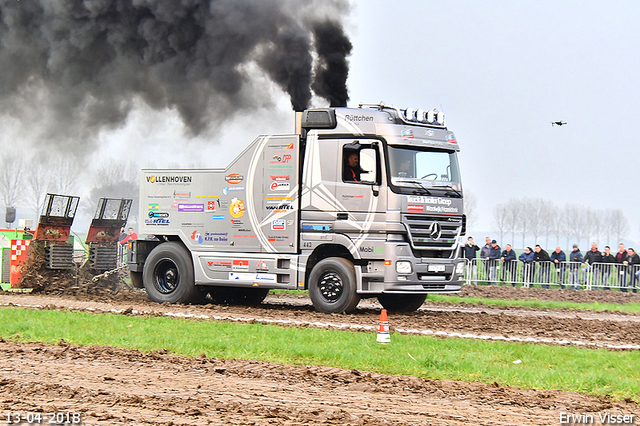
pixel 51 418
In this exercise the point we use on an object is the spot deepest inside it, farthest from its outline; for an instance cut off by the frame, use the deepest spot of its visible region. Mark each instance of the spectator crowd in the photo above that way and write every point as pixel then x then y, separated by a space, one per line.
pixel 538 265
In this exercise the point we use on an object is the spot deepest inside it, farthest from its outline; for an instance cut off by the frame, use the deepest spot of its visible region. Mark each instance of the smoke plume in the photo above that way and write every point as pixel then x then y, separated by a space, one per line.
pixel 332 69
pixel 77 66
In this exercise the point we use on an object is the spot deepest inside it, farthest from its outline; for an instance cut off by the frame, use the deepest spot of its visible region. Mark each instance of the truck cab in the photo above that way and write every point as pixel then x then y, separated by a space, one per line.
pixel 359 202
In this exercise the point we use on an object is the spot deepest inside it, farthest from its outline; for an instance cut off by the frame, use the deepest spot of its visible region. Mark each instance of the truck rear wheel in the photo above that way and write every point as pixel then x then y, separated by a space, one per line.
pixel 401 302
pixel 168 275
pixel 332 286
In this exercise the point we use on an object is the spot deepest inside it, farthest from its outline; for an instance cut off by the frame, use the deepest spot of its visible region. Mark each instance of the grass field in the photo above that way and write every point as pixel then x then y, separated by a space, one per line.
pixel 542 366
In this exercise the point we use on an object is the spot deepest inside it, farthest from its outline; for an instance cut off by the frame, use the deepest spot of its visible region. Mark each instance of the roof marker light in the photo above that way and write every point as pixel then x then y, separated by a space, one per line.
pixel 440 117
pixel 431 115
pixel 410 114
pixel 421 115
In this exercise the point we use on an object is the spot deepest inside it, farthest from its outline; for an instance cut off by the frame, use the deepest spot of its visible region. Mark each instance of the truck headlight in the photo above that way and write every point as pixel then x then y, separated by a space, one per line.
pixel 403 267
pixel 460 268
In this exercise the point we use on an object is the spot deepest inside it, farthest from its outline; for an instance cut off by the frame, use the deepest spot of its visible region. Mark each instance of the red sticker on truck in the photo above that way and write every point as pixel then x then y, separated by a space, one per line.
pixel 234 178
pixel 240 265
pixel 415 207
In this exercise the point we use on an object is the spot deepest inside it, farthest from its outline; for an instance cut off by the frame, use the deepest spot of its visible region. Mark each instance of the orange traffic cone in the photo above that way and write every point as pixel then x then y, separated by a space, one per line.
pixel 383 329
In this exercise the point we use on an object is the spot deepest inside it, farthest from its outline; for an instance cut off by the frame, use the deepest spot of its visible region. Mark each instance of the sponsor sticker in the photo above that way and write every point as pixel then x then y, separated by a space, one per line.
pixel 154 207
pixel 236 208
pixel 415 207
pixel 281 158
pixel 226 190
pixel 217 216
pixel 190 207
pixel 211 206
pixel 234 178
pixel 158 214
pixel 279 177
pixel 213 264
pixel 181 180
pixel 280 186
pixel 407 134
pixel 240 265
pixel 278 225
pixel 195 235
pixel 259 277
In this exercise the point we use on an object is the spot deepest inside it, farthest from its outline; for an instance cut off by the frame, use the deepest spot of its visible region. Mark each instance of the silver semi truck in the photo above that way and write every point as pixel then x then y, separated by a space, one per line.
pixel 359 202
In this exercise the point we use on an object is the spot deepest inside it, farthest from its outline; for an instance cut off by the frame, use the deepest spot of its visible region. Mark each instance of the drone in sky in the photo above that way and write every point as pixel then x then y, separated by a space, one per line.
pixel 558 123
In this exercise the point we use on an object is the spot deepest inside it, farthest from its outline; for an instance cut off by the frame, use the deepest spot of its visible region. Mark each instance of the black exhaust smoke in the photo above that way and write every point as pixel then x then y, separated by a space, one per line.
pixel 332 69
pixel 78 66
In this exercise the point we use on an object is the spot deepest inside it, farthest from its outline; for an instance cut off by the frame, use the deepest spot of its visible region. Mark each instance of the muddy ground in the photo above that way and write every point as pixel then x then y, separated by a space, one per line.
pixel 124 387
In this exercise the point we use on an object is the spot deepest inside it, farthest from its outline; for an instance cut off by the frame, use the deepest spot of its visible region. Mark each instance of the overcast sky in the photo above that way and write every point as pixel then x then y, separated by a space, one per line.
pixel 501 70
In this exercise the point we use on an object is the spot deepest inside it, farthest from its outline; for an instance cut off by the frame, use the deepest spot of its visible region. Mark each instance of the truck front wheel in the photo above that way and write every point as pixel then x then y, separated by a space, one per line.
pixel 168 275
pixel 401 302
pixel 332 286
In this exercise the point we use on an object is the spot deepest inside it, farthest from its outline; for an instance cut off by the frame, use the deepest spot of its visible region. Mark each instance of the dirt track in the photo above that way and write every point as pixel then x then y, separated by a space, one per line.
pixel 125 387
pixel 114 386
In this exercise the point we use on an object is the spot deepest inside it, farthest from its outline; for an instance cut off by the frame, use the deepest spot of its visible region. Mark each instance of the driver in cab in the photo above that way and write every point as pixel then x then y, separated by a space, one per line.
pixel 352 170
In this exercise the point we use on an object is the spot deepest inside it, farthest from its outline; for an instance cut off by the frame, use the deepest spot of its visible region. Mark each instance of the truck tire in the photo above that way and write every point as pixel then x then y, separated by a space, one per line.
pixel 168 275
pixel 401 302
pixel 332 286
pixel 136 279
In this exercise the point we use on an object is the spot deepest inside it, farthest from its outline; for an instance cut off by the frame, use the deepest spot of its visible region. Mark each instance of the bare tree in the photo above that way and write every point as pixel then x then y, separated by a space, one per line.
pixel 512 213
pixel 115 180
pixel 569 218
pixel 593 224
pixel 470 208
pixel 11 175
pixel 547 217
pixel 535 212
pixel 64 176
pixel 556 222
pixel 524 220
pixel 37 183
pixel 500 216
pixel 619 223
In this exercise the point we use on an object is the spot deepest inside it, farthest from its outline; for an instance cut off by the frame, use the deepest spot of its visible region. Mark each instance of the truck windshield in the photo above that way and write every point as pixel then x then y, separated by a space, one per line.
pixel 423 170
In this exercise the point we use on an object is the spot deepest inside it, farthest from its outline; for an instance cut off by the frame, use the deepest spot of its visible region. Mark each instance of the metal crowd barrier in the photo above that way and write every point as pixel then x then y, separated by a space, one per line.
pixel 599 276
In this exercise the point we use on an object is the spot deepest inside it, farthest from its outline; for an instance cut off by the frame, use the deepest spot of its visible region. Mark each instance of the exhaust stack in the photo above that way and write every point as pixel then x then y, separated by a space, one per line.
pixel 298 122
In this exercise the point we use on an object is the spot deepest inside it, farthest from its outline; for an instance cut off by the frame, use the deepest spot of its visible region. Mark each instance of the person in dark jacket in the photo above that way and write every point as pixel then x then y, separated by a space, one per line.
pixel 591 257
pixel 510 264
pixel 351 171
pixel 605 267
pixel 633 262
pixel 621 257
pixel 542 258
pixel 494 256
pixel 575 260
pixel 484 256
pixel 527 270
pixel 469 250
pixel 559 260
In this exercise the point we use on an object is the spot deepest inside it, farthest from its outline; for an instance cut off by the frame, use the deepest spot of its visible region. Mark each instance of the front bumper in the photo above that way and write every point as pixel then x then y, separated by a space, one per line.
pixel 427 275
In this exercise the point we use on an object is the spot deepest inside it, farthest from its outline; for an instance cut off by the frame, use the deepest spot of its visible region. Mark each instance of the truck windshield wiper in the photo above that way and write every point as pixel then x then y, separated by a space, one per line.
pixel 415 182
pixel 451 190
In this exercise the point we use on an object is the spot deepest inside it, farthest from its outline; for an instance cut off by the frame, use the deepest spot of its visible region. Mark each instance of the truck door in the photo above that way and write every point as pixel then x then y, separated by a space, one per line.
pixel 358 184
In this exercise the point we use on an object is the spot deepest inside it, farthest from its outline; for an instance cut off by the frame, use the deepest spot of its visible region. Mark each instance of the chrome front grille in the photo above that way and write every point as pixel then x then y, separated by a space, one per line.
pixel 432 232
